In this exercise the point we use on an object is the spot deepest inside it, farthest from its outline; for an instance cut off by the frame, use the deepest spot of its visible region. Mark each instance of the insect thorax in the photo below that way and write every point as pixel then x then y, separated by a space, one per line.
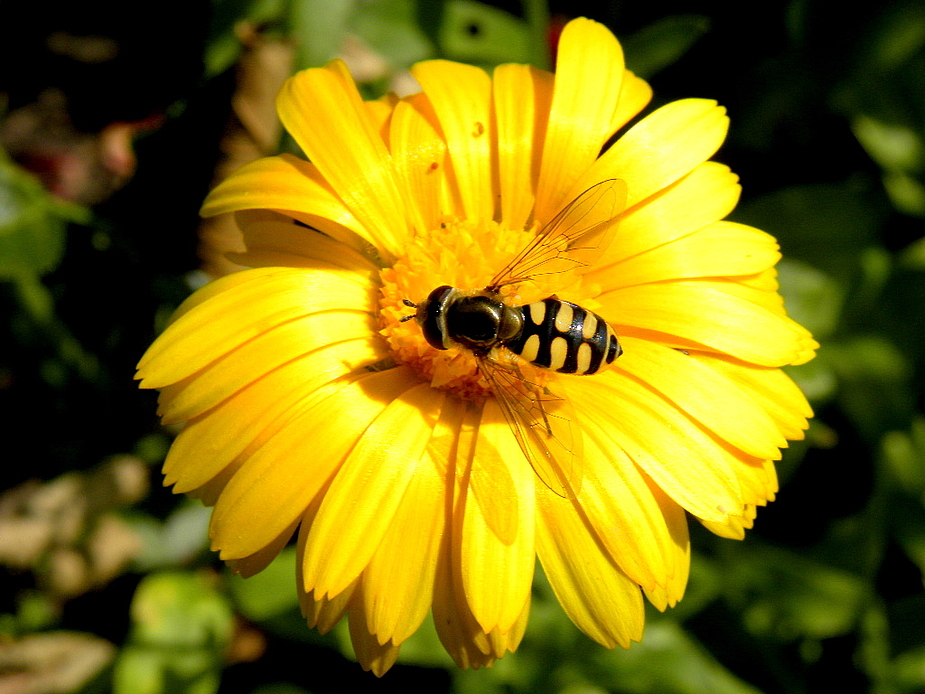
pixel 482 321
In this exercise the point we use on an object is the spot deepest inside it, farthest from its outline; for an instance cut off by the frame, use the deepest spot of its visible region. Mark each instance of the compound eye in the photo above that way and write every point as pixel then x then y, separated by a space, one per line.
pixel 431 316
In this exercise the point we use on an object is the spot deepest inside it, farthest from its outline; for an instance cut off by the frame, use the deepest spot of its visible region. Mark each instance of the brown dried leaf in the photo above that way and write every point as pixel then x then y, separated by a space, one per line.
pixel 52 662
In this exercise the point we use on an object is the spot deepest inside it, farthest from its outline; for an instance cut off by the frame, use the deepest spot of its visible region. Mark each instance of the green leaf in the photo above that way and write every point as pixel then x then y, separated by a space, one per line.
pixel 319 27
pixel 909 670
pixel 152 448
pixel 224 45
pixel 903 453
pixel 704 585
pixel 145 670
pixel 813 299
pixel 270 598
pixel 390 27
pixel 662 43
pixel 35 611
pixel 818 382
pixel 907 523
pixel 270 592
pixel 907 193
pixel 898 37
pixel 873 653
pixel 483 35
pixel 899 149
pixel 424 648
pixel 873 384
pixel 181 626
pixel 905 622
pixel 891 145
pixel 556 657
pixel 786 596
pixel 883 99
pixel 139 671
pixel 32 224
pixel 669 661
pixel 178 608
pixel 176 540
pixel 825 225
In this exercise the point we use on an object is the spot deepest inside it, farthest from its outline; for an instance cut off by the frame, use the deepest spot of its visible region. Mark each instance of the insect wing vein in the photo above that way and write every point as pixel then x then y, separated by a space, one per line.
pixel 578 235
pixel 542 424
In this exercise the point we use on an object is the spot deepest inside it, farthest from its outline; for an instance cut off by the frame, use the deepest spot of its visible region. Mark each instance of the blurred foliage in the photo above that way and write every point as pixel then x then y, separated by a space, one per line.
pixel 181 626
pixel 828 136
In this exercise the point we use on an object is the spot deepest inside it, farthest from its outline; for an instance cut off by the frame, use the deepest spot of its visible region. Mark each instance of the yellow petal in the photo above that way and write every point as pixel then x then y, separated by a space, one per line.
pixel 679 456
pixel 379 112
pixel 497 575
pixel 244 311
pixel 408 496
pixel 244 422
pixel 398 584
pixel 635 95
pixel 371 654
pixel 589 74
pixel 459 632
pixel 661 148
pixel 672 590
pixel 275 240
pixel 461 97
pixel 293 185
pixel 521 100
pixel 719 249
pixel 322 109
pixel 618 503
pixel 421 159
pixel 764 281
pixel 704 395
pixel 291 467
pixel 457 629
pixel 216 287
pixel 752 289
pixel 748 288
pixel 758 480
pixel 705 195
pixel 367 491
pixel 733 527
pixel 599 598
pixel 209 491
pixel 257 562
pixel 321 613
pixel 492 483
pixel 691 315
pixel 773 389
pixel 288 341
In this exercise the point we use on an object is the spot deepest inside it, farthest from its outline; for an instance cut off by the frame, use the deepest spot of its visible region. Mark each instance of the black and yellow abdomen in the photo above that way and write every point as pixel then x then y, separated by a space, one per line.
pixel 564 337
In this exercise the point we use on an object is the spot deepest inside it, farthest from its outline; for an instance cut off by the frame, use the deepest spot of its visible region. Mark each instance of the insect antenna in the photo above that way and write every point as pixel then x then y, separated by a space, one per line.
pixel 410 304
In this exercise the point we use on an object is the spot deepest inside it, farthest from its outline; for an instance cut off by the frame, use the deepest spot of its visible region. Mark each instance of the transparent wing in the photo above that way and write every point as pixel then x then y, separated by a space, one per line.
pixel 543 423
pixel 577 236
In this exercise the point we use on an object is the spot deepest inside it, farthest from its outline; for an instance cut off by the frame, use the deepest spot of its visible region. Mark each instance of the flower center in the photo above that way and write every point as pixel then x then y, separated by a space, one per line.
pixel 466 255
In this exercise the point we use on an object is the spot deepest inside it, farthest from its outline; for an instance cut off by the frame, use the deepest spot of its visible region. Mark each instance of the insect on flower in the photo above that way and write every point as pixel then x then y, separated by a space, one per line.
pixel 552 334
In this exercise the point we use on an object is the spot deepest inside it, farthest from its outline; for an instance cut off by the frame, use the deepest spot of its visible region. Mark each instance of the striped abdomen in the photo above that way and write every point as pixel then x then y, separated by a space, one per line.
pixel 561 336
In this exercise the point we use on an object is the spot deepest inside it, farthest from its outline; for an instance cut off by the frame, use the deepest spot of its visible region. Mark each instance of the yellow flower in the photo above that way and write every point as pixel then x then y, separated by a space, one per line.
pixel 309 404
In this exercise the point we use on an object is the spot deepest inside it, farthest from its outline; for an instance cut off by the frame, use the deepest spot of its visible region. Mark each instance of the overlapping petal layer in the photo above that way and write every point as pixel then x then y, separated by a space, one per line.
pixel 309 404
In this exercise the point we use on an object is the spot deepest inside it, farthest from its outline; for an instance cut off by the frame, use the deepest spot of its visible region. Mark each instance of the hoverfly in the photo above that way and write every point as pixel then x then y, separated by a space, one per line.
pixel 552 334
